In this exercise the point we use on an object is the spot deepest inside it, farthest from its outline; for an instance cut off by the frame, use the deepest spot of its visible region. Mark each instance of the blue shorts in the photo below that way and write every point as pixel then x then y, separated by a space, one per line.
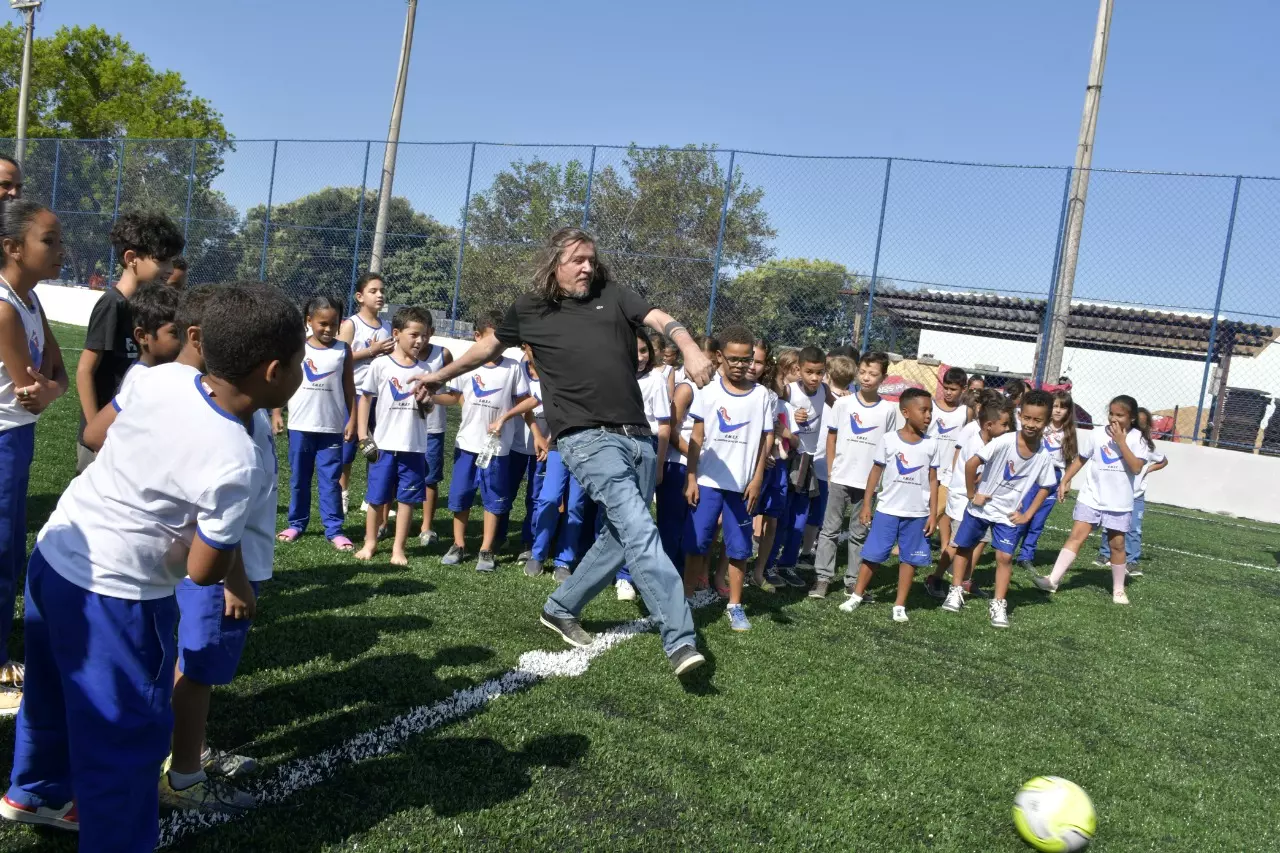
pixel 209 643
pixel 491 482
pixel 907 533
pixel 972 530
pixel 700 528
pixel 435 458
pixel 774 495
pixel 349 448
pixel 402 475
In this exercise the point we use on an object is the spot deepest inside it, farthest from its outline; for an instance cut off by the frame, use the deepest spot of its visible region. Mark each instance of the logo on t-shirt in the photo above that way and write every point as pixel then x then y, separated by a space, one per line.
pixel 477 385
pixel 943 429
pixel 312 372
pixel 1107 458
pixel 725 424
pixel 1009 472
pixel 397 392
pixel 855 424
pixel 903 469
pixel 1051 447
pixel 33 346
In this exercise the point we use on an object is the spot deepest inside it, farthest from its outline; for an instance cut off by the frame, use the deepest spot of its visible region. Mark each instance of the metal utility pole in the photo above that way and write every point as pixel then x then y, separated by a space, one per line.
pixel 1061 307
pixel 393 139
pixel 28 9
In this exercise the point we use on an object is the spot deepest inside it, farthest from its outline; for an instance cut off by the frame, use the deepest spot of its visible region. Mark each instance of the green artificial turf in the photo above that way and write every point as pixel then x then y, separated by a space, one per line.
pixel 817 730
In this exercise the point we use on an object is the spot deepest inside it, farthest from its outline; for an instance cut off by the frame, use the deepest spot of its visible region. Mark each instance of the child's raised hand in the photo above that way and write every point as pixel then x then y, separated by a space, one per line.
pixel 383 346
pixel 39 395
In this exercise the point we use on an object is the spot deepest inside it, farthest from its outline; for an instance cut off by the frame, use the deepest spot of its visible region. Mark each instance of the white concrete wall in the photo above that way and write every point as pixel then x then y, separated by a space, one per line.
pixel 1220 481
pixel 63 304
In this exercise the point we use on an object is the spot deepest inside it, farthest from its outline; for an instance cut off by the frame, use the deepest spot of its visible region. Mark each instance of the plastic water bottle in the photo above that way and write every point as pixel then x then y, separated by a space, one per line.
pixel 492 444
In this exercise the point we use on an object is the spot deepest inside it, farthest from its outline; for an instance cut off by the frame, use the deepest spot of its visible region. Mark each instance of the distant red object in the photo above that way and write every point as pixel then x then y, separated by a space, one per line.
pixel 1164 427
pixel 894 385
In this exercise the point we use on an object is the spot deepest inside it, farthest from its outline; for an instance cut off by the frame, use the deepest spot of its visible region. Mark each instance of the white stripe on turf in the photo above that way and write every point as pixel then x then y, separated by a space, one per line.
pixel 1211 519
pixel 1148 546
pixel 299 775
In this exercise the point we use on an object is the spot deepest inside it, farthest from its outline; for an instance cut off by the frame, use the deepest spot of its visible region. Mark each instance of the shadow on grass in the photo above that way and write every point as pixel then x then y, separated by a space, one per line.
pixel 280 604
pixel 39 508
pixel 285 643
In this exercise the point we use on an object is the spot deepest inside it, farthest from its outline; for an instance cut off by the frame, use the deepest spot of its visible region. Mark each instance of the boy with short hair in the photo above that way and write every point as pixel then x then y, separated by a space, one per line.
pixel 728 451
pixel 145 245
pixel 397 447
pixel 805 400
pixel 949 417
pixel 906 465
pixel 1012 465
pixel 155 310
pixel 994 419
pixel 491 396
pixel 857 424
pixel 172 492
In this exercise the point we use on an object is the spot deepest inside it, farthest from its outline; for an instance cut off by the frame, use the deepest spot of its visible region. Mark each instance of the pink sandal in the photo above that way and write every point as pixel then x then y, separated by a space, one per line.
pixel 342 543
pixel 289 534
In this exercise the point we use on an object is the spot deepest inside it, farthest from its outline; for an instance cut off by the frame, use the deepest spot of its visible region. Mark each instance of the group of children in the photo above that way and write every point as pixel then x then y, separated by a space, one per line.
pixel 144 582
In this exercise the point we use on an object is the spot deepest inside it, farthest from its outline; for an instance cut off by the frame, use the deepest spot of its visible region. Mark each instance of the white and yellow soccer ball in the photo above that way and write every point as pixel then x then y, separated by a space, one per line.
pixel 1054 815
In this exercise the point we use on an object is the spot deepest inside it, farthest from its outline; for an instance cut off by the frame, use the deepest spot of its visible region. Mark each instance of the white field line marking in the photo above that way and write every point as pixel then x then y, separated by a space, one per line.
pixel 1213 520
pixel 295 776
pixel 1146 545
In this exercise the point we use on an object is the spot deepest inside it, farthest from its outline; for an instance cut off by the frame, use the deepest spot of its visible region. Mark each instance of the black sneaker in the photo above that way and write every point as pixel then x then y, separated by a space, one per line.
pixel 790 578
pixel 935 586
pixel 686 659
pixel 569 630
pixel 806 559
pixel 1133 570
pixel 819 589
pixel 561 573
pixel 532 568
pixel 1026 564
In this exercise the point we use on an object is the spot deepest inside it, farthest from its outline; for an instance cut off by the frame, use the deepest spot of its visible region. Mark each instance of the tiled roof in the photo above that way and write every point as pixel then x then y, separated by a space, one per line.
pixel 1091 326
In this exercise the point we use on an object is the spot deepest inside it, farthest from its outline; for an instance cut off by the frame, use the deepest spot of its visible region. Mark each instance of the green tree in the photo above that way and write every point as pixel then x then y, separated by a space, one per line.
pixel 312 240
pixel 93 87
pixel 657 215
pixel 792 301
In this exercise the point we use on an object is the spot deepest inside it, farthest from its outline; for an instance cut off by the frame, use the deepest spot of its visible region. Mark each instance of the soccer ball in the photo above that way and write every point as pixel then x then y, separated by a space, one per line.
pixel 1054 815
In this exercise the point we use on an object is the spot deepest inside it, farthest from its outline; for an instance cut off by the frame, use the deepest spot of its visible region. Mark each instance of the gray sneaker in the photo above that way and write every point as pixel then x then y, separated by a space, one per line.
pixel 485 562
pixel 525 556
pixel 561 573
pixel 1044 583
pixel 428 538
pixel 532 568
pixel 228 764
pixel 570 630
pixel 1133 571
pixel 455 555
pixel 819 589
pixel 686 659
pixel 738 620
pixel 1027 564
pixel 790 578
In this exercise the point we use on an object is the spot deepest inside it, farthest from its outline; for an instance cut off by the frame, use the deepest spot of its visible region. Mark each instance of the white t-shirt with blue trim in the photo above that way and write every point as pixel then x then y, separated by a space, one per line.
pixel 175 466
pixel 904 480
pixel 733 422
pixel 11 412
pixel 1108 483
pixel 859 428
pixel 1007 477
pixel 401 426
pixel 657 402
pixel 320 403
pixel 488 392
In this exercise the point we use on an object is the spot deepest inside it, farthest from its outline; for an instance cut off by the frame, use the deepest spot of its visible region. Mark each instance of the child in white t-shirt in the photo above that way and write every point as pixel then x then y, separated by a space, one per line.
pixel 170 495
pixel 435 357
pixel 906 468
pixel 1115 458
pixel 855 429
pixel 994 419
pixel 398 450
pixel 491 396
pixel 1013 466
pixel 1061 441
pixel 949 417
pixel 369 337
pixel 322 415
pixel 1156 461
pixel 727 455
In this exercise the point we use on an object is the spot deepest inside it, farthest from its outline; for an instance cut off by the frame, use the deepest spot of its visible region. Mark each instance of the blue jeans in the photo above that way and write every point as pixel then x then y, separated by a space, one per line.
pixel 17 447
pixel 619 473
pixel 1032 529
pixel 557 485
pixel 1132 539
pixel 309 453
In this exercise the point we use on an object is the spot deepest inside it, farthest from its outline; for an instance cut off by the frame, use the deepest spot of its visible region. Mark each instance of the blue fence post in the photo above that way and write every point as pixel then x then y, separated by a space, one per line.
pixel 875 261
pixel 462 247
pixel 1041 353
pixel 115 211
pixel 591 174
pixel 355 252
pixel 1217 307
pixel 724 216
pixel 266 225
pixel 191 185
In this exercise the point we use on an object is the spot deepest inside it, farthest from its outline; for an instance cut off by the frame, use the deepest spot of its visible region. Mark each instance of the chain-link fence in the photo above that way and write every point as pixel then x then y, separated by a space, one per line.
pixel 951 263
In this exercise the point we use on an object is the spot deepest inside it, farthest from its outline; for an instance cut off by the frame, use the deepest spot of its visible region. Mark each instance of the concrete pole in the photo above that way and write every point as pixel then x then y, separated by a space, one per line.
pixel 393 139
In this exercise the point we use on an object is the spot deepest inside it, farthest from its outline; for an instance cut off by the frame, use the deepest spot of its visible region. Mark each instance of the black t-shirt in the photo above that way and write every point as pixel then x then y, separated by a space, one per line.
pixel 110 333
pixel 585 352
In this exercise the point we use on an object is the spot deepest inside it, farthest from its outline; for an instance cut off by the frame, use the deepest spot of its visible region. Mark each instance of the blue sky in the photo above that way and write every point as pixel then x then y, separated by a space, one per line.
pixel 1189 87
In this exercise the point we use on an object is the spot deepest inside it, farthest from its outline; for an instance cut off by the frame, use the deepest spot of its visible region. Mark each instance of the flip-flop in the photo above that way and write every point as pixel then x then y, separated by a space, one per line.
pixel 342 543
pixel 288 534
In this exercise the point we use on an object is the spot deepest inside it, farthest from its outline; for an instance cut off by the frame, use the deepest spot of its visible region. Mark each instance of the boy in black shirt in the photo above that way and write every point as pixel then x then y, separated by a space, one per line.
pixel 146 244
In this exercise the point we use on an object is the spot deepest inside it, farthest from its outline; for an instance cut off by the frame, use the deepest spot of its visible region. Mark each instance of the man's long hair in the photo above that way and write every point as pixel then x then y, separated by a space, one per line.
pixel 549 257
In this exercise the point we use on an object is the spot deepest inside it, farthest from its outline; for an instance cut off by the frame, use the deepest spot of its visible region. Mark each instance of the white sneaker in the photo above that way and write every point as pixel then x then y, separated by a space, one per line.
pixel 1045 584
pixel 999 609
pixel 626 592
pixel 851 603
pixel 364 506
pixel 391 513
pixel 900 614
pixel 346 501
pixel 1119 597
pixel 955 600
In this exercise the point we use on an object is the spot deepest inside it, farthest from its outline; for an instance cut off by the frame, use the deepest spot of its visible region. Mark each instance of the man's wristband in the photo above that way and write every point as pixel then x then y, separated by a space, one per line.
pixel 671 328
